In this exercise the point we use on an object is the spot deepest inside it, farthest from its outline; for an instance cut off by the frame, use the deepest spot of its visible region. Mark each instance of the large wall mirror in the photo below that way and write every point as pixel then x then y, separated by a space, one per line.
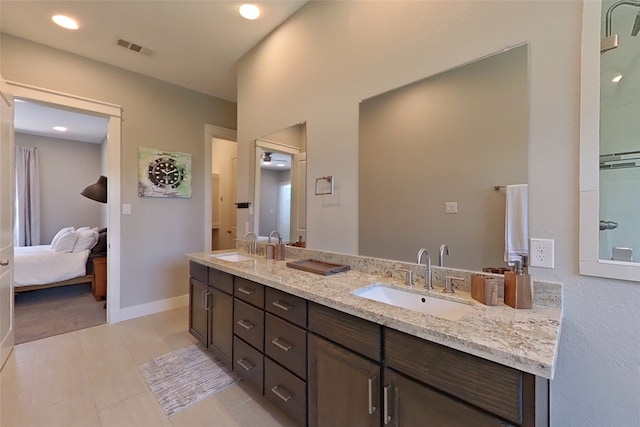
pixel 280 184
pixel 610 145
pixel 435 157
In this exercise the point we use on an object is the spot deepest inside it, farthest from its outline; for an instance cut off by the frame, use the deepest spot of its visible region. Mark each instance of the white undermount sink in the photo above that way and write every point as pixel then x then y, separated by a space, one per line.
pixel 232 257
pixel 438 307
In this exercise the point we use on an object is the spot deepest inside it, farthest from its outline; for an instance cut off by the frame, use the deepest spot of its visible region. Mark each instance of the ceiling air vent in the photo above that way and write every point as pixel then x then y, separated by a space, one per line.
pixel 135 47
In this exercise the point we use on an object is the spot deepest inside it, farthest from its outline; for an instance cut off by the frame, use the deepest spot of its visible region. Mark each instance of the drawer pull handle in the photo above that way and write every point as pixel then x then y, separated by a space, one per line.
pixel 245 365
pixel 282 396
pixel 372 408
pixel 282 305
pixel 385 395
pixel 282 344
pixel 245 291
pixel 4 262
pixel 245 324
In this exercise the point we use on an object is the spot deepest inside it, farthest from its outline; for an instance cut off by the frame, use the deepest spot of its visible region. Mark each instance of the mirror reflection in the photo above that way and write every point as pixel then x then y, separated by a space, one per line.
pixel 280 185
pixel 431 155
pixel 619 237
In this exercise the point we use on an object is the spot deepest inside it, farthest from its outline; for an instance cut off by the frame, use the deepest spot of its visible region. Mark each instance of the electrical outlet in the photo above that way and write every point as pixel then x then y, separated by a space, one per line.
pixel 541 253
pixel 451 207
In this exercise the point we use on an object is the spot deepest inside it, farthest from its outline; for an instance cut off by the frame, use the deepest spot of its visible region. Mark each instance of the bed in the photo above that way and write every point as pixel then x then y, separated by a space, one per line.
pixel 63 262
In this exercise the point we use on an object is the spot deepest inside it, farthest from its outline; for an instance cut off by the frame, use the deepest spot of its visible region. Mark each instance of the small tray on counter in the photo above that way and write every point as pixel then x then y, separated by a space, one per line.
pixel 318 267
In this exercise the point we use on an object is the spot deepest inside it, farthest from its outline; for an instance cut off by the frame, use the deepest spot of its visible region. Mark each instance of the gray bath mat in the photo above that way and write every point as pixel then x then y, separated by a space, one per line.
pixel 184 377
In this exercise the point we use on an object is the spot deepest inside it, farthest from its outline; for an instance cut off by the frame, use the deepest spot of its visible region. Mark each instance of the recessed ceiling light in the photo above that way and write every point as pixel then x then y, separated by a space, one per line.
pixel 249 11
pixel 617 78
pixel 65 22
pixel 60 128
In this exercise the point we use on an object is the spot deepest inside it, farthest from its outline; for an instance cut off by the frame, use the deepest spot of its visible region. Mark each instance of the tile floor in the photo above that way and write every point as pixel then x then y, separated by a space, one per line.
pixel 90 378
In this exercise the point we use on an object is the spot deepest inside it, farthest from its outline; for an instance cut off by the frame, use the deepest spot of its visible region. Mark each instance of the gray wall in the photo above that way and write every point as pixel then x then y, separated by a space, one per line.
pixel 66 168
pixel 159 232
pixel 321 62
pixel 448 138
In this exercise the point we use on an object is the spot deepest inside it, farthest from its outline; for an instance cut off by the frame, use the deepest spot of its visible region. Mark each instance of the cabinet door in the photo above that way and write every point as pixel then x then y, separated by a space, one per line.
pixel 198 318
pixel 221 327
pixel 344 387
pixel 408 403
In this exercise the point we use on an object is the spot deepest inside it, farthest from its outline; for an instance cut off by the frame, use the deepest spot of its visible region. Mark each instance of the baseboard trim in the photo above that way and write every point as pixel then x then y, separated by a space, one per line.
pixel 149 308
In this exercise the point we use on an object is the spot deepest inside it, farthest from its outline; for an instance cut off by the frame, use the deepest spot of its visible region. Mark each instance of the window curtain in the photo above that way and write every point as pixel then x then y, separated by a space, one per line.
pixel 27 224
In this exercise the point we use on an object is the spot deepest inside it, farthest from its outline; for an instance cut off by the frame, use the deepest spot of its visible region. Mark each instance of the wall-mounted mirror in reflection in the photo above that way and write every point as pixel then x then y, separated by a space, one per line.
pixel 619 129
pixel 280 185
pixel 431 155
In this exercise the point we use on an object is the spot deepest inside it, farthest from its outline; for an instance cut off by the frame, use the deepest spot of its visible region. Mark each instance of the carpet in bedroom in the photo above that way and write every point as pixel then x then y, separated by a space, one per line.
pixel 47 312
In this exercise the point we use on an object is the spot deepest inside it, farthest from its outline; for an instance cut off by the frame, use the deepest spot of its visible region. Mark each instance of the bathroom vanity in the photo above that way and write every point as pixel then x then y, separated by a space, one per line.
pixel 327 357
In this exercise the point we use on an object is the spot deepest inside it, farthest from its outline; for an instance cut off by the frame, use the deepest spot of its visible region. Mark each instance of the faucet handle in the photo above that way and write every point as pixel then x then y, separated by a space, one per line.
pixel 408 277
pixel 448 284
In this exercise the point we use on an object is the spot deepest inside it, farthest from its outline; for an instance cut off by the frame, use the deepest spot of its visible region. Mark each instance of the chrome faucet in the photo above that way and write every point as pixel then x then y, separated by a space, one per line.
pixel 427 276
pixel 251 248
pixel 271 235
pixel 444 250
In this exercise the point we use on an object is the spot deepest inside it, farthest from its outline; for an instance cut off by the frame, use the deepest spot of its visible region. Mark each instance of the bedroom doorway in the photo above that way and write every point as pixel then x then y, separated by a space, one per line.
pixel 58 285
pixel 109 167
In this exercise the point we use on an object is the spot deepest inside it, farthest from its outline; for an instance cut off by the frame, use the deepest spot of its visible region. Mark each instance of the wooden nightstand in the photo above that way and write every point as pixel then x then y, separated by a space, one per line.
pixel 99 283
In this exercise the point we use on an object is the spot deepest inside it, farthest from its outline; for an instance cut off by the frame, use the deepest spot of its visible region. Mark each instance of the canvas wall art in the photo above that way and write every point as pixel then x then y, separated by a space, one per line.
pixel 163 173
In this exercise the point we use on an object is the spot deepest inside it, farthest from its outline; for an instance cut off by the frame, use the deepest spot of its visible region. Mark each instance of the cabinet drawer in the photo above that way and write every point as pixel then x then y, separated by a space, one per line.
pixel 199 271
pixel 248 364
pixel 248 324
pixel 221 280
pixel 287 306
pixel 286 391
pixel 249 291
pixel 488 385
pixel 356 334
pixel 287 344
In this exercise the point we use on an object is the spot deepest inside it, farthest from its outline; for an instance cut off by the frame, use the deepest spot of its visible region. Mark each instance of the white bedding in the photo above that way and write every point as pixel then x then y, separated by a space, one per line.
pixel 39 265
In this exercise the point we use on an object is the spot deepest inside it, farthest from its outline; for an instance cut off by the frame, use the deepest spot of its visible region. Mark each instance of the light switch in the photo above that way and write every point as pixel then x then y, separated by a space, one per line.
pixel 451 207
pixel 126 209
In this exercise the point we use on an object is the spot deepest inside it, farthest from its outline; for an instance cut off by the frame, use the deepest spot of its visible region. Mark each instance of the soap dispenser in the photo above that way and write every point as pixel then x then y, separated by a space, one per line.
pixel 518 286
pixel 280 250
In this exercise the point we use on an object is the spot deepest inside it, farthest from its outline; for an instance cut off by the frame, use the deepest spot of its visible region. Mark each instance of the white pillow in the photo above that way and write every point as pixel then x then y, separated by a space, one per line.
pixel 87 239
pixel 59 234
pixel 66 243
pixel 82 229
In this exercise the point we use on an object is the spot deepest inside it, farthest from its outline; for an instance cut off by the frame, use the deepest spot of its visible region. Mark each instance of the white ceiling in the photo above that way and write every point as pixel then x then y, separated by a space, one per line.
pixel 39 119
pixel 196 45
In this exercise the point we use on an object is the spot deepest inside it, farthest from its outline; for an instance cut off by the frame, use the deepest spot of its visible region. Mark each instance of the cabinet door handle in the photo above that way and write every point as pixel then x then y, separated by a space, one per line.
pixel 282 305
pixel 282 344
pixel 207 300
pixel 372 408
pixel 4 262
pixel 245 291
pixel 385 397
pixel 286 397
pixel 245 324
pixel 245 364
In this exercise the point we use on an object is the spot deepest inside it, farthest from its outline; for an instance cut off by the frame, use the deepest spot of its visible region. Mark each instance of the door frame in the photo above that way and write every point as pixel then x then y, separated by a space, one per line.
pixel 211 132
pixel 113 113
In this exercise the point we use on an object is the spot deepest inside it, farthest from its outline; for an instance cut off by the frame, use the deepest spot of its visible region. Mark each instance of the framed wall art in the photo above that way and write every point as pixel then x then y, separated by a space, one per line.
pixel 163 173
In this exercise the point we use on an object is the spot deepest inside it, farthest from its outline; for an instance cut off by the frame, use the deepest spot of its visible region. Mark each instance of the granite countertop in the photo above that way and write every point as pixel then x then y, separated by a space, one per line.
pixel 523 339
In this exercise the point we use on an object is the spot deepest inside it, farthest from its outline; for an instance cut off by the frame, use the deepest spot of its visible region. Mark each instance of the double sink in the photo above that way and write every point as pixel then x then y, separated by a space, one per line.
pixel 387 294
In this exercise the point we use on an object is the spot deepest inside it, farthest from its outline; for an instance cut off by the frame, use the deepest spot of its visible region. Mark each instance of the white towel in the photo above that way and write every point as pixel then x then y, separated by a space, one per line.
pixel 516 223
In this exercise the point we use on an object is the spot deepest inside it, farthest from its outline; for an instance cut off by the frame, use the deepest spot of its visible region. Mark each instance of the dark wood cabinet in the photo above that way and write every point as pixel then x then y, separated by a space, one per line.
pixel 221 325
pixel 198 312
pixel 407 403
pixel 344 387
pixel 211 310
pixel 324 367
